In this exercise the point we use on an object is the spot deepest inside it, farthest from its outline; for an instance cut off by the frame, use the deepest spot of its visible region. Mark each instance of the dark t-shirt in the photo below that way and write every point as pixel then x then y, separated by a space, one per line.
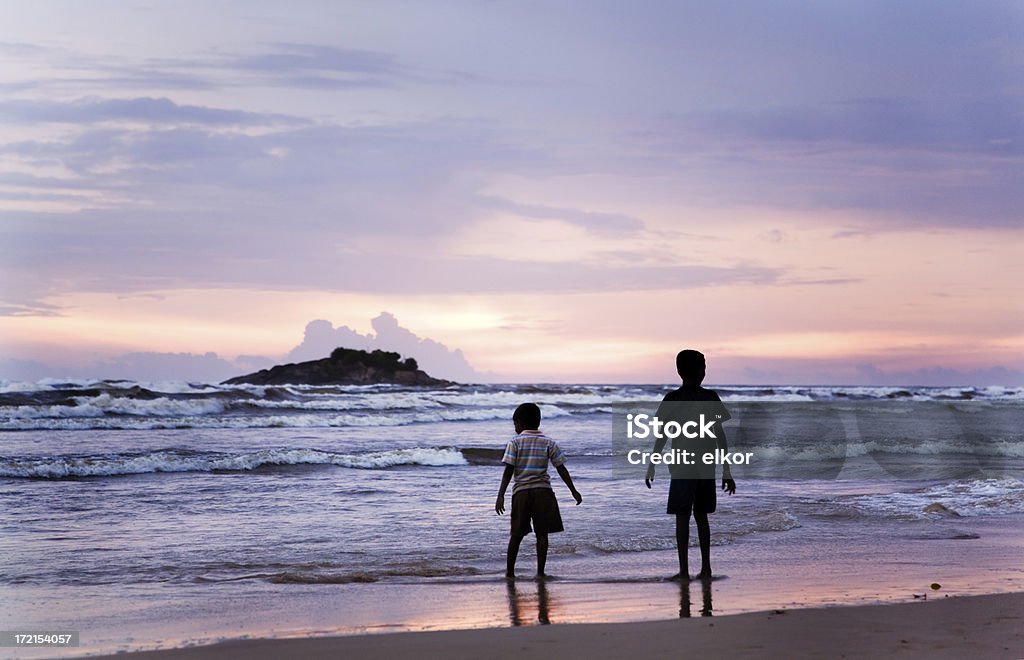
pixel 698 401
pixel 698 393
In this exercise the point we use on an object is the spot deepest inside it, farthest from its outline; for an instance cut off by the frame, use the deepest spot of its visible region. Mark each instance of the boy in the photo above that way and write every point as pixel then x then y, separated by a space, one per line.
pixel 688 495
pixel 526 458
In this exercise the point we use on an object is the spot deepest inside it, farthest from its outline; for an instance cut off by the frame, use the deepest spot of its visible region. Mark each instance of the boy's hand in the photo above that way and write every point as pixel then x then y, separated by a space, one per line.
pixel 650 475
pixel 499 505
pixel 728 485
pixel 576 496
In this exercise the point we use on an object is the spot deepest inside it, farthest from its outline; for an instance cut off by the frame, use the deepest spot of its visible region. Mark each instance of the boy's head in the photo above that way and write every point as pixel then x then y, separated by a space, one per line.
pixel 526 417
pixel 691 366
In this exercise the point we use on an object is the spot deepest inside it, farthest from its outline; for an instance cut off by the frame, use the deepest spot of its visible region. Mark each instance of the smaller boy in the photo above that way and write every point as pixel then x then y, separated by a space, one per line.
pixel 526 458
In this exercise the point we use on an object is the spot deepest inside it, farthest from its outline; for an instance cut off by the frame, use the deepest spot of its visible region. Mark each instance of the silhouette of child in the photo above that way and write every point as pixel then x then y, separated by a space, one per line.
pixel 526 458
pixel 686 494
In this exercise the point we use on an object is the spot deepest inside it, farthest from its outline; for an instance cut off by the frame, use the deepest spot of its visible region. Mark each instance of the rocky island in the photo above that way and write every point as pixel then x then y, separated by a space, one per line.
pixel 345 366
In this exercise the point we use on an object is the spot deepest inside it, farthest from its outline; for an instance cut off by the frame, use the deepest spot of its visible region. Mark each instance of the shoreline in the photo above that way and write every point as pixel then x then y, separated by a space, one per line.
pixel 990 626
pixel 760 577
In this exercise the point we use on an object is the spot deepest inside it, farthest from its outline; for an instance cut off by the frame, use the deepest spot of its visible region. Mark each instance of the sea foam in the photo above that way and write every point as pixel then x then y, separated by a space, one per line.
pixel 171 460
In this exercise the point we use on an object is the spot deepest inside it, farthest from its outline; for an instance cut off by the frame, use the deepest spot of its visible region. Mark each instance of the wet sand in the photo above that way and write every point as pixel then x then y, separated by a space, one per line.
pixel 586 596
pixel 978 626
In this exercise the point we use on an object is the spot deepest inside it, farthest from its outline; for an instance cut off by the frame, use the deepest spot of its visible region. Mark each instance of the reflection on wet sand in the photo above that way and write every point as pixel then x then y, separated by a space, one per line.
pixel 518 602
pixel 523 595
pixel 684 599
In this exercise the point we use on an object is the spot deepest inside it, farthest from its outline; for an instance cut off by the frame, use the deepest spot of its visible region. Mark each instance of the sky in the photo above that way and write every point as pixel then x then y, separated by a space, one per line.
pixel 570 191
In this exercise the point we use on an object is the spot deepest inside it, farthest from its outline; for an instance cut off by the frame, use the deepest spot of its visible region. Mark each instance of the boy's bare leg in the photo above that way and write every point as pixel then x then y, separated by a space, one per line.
pixel 704 538
pixel 542 553
pixel 513 552
pixel 683 544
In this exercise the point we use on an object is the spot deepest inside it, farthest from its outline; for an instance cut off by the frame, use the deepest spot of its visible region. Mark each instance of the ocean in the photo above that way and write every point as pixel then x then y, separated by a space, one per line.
pixel 154 514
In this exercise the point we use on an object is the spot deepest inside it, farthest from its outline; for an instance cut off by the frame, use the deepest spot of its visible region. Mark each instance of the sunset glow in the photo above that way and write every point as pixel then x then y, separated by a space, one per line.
pixel 558 209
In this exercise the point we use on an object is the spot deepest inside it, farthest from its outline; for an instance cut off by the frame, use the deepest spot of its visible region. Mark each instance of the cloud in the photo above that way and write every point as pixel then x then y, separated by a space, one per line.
pixel 34 309
pixel 769 371
pixel 940 376
pixel 251 363
pixel 144 366
pixel 319 339
pixel 178 173
pixel 983 126
pixel 318 66
pixel 190 206
pixel 21 49
pixel 22 293
pixel 596 221
pixel 108 253
pixel 315 66
pixel 65 68
pixel 310 66
pixel 433 357
pixel 154 366
pixel 13 369
pixel 140 109
pixel 383 161
pixel 893 163
pixel 297 57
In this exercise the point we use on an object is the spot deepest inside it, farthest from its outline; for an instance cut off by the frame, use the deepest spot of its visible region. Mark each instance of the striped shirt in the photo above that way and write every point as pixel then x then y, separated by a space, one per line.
pixel 529 453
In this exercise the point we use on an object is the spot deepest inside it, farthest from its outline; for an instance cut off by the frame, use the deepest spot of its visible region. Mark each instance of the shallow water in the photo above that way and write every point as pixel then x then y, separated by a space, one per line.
pixel 146 526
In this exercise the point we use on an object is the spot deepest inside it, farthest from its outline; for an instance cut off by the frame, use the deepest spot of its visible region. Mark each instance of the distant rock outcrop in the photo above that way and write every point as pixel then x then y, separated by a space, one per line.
pixel 345 366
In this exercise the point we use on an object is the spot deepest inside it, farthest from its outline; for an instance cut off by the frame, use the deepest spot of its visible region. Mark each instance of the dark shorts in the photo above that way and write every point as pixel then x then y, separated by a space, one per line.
pixel 698 495
pixel 538 505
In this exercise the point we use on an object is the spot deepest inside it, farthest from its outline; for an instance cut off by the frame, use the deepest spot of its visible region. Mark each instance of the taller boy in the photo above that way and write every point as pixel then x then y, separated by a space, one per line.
pixel 688 495
pixel 526 458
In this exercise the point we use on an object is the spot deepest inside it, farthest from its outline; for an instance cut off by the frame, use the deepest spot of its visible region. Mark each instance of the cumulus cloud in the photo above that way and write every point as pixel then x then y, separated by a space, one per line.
pixel 321 337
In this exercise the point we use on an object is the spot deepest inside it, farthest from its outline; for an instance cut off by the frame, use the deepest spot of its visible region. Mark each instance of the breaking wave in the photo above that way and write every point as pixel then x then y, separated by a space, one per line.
pixel 174 460
pixel 967 498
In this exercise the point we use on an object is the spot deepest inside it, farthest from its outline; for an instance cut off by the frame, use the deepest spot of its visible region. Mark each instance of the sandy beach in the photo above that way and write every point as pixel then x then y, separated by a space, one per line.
pixel 981 626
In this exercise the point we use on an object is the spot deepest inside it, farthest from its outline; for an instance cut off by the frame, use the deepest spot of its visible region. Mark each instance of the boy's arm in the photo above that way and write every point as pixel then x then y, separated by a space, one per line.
pixel 728 485
pixel 659 446
pixel 563 472
pixel 499 505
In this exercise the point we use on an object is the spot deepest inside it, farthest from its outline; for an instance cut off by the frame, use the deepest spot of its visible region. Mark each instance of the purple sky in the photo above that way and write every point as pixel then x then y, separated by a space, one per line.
pixel 565 191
